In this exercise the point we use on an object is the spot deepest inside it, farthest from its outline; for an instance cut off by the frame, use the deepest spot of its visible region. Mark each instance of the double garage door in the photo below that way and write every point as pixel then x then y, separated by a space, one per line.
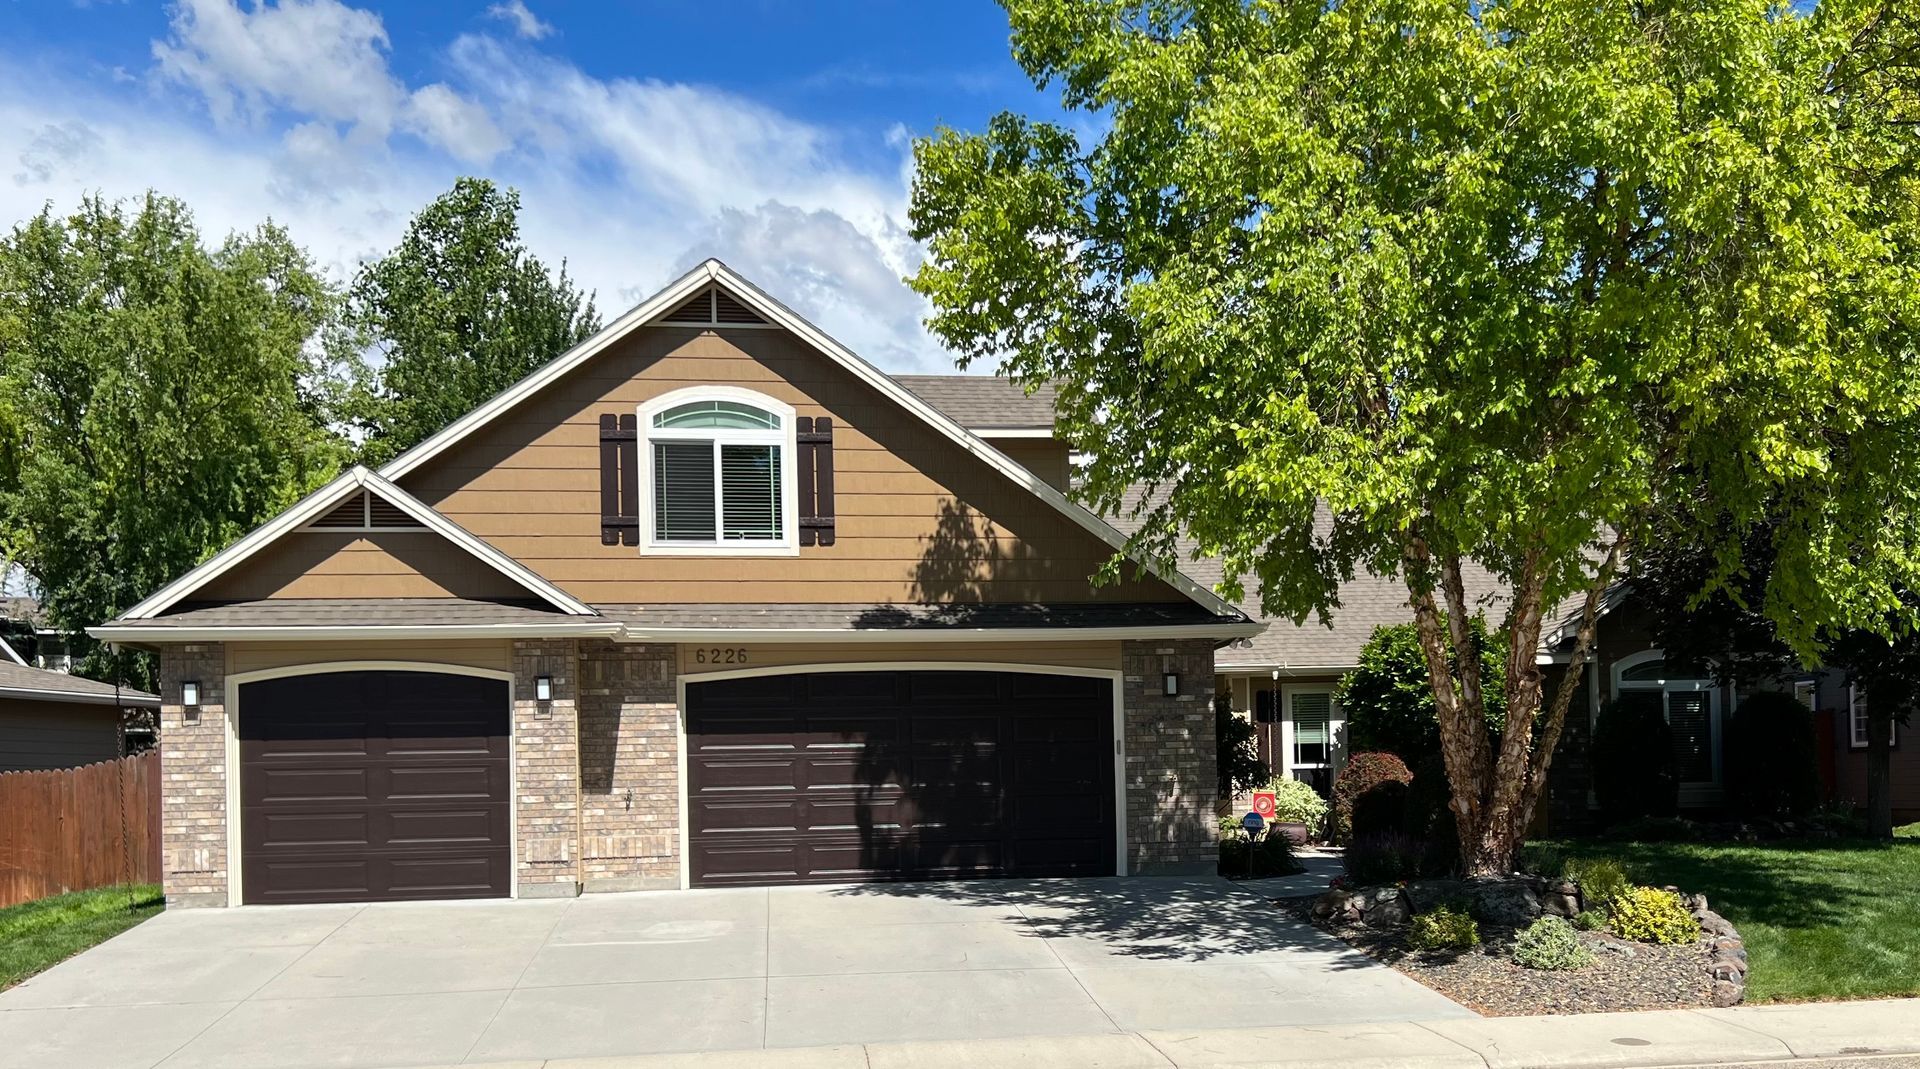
pixel 383 786
pixel 836 777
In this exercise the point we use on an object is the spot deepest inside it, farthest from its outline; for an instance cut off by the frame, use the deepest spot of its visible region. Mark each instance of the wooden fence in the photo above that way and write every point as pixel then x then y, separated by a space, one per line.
pixel 75 828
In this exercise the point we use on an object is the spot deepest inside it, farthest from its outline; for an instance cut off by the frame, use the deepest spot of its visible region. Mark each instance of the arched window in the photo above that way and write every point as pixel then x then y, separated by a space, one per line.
pixel 1690 704
pixel 717 473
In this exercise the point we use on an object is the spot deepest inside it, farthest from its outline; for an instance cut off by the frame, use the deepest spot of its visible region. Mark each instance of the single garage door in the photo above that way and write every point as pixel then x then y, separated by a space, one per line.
pixel 832 777
pixel 373 786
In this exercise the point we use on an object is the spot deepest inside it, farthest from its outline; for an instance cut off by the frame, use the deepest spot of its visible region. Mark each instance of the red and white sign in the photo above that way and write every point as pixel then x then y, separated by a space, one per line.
pixel 1263 804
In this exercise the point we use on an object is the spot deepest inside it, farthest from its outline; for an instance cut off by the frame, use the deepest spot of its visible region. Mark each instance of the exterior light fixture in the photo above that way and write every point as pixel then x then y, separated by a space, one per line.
pixel 190 692
pixel 543 688
pixel 1170 683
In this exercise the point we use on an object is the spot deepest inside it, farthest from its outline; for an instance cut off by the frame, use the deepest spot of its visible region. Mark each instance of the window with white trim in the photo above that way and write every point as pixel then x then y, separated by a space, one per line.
pixel 1690 705
pixel 1859 724
pixel 717 471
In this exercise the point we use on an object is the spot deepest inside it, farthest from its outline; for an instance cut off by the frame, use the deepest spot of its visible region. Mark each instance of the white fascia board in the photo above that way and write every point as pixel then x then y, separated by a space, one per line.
pixel 321 501
pixel 7 648
pixel 132 697
pixel 1013 432
pixel 738 635
pixel 1243 668
pixel 461 537
pixel 713 271
pixel 302 511
pixel 137 635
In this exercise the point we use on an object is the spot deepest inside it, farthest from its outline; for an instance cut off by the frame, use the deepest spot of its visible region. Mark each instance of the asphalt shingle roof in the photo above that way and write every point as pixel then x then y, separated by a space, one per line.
pixel 983 401
pixel 886 617
pixel 59 686
pixel 348 612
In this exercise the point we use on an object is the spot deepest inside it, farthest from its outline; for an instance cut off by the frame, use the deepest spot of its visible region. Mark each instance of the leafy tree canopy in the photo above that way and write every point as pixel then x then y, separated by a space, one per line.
pixel 457 312
pixel 158 398
pixel 1486 281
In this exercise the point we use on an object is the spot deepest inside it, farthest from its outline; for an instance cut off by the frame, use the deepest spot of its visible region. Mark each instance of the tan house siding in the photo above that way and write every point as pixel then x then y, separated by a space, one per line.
pixel 494 654
pixel 1045 457
pixel 697 658
pixel 37 735
pixel 383 564
pixel 919 519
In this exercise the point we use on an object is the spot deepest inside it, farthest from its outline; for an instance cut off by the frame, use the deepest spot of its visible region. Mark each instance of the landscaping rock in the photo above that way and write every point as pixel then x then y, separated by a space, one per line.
pixel 1388 912
pixel 1508 903
pixel 1426 894
pixel 1728 993
pixel 1560 905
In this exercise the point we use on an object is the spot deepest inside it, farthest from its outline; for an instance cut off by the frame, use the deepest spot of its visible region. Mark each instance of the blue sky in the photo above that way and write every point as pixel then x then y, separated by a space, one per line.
pixel 643 136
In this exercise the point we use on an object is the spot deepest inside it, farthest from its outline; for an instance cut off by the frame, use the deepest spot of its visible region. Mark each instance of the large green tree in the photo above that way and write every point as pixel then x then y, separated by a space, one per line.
pixel 455 313
pixel 158 398
pixel 1487 281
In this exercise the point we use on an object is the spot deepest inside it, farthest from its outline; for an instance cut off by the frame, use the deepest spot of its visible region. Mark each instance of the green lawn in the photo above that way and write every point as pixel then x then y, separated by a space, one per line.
pixel 1821 920
pixel 40 934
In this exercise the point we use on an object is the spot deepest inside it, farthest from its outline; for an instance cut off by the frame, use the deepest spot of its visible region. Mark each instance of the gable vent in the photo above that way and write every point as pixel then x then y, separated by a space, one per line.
pixel 713 308
pixel 366 512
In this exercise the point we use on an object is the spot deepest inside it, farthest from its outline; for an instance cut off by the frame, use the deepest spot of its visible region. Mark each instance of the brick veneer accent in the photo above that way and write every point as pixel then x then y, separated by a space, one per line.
pixel 546 764
pixel 193 777
pixel 1171 767
pixel 629 766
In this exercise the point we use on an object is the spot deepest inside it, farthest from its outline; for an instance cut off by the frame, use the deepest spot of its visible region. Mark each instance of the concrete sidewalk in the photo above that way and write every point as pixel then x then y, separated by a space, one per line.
pixel 1775 1034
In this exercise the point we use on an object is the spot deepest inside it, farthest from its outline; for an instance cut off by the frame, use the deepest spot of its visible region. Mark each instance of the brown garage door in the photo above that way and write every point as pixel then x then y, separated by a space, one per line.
pixel 848 776
pixel 373 786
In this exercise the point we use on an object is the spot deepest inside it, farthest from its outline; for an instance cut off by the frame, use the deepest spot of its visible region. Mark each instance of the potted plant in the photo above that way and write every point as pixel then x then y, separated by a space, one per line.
pixel 1298 810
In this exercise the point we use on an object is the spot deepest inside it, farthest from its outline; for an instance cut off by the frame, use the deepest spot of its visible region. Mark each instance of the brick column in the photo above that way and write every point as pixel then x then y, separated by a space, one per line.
pixel 193 776
pixel 546 765
pixel 629 766
pixel 1172 769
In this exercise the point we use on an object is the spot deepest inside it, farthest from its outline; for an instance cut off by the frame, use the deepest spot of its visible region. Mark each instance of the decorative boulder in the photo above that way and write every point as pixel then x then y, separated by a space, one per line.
pixel 1506 903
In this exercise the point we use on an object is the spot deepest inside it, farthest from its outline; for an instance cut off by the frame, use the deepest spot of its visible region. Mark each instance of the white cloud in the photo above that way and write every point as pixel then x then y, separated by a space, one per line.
pixel 629 180
pixel 525 23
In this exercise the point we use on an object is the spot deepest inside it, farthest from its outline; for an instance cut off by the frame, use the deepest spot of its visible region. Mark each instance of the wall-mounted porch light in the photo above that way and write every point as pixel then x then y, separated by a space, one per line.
pixel 1170 683
pixel 543 688
pixel 190 692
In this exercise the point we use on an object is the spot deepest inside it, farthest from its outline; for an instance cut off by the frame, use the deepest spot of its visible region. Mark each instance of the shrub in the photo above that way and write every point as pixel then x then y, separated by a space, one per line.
pixel 1382 809
pixel 1601 880
pixel 1364 772
pixel 1272 856
pixel 1590 920
pixel 1551 943
pixel 1298 802
pixel 1633 774
pixel 1444 928
pixel 1238 756
pixel 1231 828
pixel 1384 857
pixel 1650 915
pixel 1770 757
pixel 1388 700
pixel 1430 816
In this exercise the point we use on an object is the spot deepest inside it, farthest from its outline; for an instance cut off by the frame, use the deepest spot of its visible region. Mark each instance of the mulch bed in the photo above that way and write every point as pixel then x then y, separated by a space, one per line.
pixel 1627 976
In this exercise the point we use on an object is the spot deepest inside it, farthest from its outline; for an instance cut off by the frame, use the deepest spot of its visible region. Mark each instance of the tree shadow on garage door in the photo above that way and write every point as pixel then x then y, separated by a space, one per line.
pixel 1184 920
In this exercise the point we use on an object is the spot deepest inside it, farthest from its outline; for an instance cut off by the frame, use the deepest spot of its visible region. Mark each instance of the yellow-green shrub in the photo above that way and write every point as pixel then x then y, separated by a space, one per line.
pixel 1442 928
pixel 1650 915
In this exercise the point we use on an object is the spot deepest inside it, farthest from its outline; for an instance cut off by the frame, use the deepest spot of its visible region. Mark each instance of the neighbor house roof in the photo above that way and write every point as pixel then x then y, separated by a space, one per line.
pixel 985 403
pixel 20 681
pixel 1364 603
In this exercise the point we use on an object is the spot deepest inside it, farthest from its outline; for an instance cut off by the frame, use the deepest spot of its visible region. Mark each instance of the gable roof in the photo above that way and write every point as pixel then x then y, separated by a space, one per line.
pixel 713 273
pixel 985 404
pixel 39 684
pixel 322 501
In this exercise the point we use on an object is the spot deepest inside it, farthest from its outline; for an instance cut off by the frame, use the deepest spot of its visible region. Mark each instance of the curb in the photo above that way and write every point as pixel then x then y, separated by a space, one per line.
pixel 1641 1040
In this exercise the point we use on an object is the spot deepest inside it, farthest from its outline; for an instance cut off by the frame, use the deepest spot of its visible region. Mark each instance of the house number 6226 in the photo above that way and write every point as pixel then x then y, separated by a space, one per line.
pixel 719 655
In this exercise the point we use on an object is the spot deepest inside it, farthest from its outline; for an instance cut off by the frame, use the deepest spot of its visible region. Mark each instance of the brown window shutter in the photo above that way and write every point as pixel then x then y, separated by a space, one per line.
pixel 815 436
pixel 619 480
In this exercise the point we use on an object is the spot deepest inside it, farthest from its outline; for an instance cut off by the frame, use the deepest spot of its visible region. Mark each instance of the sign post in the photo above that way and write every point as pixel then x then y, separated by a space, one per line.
pixel 1252 822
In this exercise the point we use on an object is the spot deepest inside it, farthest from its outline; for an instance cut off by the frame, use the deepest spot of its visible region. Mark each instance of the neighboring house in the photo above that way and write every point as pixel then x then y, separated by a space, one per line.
pixel 707 600
pixel 24 625
pixel 55 720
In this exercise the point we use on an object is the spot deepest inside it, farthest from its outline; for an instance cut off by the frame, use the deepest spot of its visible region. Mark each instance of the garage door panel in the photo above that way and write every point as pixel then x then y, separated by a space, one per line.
pixel 899 775
pixel 417 806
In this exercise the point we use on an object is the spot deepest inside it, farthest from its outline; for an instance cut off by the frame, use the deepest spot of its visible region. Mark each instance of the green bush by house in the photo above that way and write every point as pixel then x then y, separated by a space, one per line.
pixel 1651 915
pixel 1444 928
pixel 1551 943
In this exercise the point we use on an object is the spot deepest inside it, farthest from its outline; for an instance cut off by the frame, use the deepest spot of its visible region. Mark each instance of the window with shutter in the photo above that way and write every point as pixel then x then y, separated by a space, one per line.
pixel 719 478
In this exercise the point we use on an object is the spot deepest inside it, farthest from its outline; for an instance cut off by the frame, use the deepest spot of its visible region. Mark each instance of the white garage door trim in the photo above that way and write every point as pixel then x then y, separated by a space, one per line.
pixel 1114 676
pixel 232 696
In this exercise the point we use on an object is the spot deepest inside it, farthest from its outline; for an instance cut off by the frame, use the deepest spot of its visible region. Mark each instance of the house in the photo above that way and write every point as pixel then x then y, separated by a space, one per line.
pixel 705 601
pixel 24 627
pixel 54 720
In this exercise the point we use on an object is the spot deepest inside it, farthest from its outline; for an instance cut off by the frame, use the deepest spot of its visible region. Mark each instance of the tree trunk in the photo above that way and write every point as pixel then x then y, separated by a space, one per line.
pixel 1879 771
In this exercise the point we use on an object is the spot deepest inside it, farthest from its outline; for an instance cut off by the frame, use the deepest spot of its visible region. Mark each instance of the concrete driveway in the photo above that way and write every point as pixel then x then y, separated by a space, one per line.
pixel 431 984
